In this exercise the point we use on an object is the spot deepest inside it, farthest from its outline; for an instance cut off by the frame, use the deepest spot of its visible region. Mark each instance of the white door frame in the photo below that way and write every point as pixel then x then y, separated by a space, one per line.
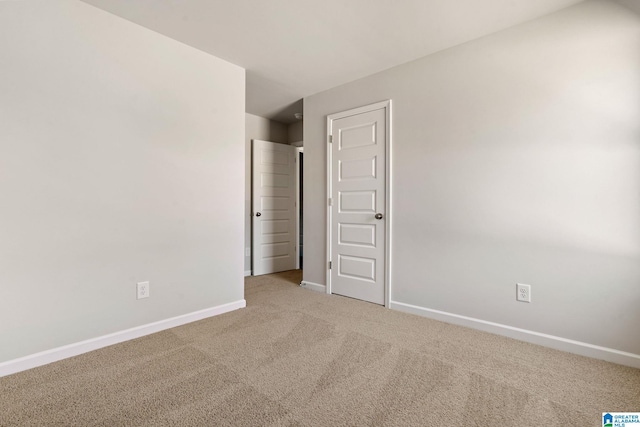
pixel 386 105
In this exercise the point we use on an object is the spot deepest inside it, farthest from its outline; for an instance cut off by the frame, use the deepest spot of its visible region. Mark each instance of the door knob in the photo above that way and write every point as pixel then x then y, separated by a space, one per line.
pixel 258 214
pixel 378 216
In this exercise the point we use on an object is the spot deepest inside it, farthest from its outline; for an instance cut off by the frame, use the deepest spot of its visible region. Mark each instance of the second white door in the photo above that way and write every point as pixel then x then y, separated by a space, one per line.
pixel 274 207
pixel 358 205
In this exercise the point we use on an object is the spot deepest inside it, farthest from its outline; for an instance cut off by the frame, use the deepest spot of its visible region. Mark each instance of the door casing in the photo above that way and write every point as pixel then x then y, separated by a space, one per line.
pixel 386 105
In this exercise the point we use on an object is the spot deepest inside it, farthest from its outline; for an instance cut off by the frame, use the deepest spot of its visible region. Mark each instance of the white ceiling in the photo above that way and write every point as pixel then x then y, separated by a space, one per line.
pixel 295 48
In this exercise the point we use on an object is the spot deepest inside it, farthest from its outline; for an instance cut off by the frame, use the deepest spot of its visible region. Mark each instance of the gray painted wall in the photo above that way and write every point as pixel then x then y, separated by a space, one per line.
pixel 256 127
pixel 295 130
pixel 516 158
pixel 631 4
pixel 122 161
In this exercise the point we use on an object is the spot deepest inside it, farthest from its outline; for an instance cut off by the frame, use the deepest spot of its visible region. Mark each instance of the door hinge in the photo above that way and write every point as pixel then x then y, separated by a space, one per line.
pixel 329 265
pixel 330 139
pixel 330 201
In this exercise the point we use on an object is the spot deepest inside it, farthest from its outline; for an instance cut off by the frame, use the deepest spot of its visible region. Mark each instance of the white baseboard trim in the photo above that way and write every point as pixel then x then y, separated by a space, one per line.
pixel 313 286
pixel 558 343
pixel 248 273
pixel 49 356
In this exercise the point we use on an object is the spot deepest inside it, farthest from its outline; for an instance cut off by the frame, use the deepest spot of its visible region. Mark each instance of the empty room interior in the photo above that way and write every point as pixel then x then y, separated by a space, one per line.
pixel 319 213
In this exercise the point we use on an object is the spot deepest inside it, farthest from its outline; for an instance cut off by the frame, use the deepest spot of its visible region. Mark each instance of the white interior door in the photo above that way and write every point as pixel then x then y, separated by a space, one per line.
pixel 273 207
pixel 358 204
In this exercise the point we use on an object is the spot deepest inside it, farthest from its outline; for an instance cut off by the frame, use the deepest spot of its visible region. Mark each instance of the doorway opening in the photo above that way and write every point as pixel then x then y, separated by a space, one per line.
pixel 300 213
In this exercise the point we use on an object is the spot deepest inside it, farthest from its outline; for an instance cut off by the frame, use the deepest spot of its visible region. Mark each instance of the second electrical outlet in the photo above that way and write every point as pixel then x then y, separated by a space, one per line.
pixel 523 292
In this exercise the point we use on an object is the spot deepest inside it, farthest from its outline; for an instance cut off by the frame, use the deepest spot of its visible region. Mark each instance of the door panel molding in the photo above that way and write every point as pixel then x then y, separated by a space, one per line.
pixel 332 261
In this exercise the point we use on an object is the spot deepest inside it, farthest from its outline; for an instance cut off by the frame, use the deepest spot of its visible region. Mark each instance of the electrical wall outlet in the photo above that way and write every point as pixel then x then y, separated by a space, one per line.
pixel 142 290
pixel 523 292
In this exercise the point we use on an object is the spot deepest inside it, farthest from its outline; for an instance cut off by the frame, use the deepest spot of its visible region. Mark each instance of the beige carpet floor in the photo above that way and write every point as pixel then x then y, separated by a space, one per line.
pixel 295 357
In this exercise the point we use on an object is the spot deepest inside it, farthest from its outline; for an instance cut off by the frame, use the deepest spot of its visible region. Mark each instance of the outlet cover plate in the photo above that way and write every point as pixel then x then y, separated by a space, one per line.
pixel 523 292
pixel 142 289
